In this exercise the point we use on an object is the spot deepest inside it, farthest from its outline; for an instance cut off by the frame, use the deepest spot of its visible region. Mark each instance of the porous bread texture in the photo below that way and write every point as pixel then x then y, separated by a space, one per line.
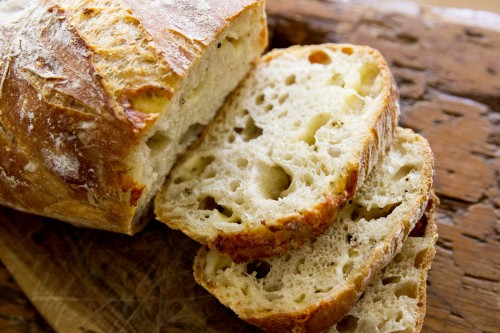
pixel 395 300
pixel 152 86
pixel 289 147
pixel 311 288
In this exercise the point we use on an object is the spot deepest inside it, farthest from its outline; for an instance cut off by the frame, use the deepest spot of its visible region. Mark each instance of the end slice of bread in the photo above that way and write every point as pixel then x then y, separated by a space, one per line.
pixel 395 300
pixel 289 148
pixel 313 287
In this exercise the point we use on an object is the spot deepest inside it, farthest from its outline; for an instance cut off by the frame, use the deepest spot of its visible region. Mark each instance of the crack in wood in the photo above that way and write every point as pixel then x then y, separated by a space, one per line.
pixel 480 278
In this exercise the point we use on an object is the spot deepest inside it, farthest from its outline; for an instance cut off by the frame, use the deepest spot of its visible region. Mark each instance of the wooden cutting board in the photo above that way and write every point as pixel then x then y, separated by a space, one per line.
pixel 447 64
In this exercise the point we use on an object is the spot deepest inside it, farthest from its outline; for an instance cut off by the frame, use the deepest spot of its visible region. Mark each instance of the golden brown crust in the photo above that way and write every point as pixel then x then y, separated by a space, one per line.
pixel 288 232
pixel 65 135
pixel 431 232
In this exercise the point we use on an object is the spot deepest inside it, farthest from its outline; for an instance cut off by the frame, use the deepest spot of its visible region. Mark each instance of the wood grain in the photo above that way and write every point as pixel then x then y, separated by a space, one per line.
pixel 448 70
pixel 92 281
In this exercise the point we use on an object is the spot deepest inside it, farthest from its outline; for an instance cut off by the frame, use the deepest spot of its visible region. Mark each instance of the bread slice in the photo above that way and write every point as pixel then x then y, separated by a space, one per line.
pixel 395 300
pixel 288 149
pixel 313 287
pixel 99 97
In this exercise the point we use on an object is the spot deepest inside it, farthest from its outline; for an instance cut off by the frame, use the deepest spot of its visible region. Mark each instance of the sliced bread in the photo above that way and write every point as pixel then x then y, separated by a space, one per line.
pixel 287 151
pixel 313 287
pixel 395 300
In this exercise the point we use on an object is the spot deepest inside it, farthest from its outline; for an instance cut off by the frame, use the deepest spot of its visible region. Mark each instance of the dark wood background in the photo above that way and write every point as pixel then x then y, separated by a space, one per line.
pixel 447 64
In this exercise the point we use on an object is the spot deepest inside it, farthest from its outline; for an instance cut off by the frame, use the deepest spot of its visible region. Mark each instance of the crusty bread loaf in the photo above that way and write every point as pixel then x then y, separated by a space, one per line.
pixel 288 149
pixel 310 288
pixel 98 98
pixel 395 300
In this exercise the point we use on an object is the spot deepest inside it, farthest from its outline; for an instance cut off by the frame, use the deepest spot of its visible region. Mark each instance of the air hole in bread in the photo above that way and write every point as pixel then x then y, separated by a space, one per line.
pixel 398 258
pixel 272 296
pixel 210 174
pixel 283 114
pixel 336 80
pixel 308 180
pixel 283 98
pixel 354 104
pixel 374 213
pixel 236 42
pixel 259 267
pixel 242 163
pixel 269 107
pixel 348 238
pixel 148 102
pixel 391 280
pixel 368 74
pixel 259 100
pixel 319 57
pixel 244 289
pixel 346 269
pixel 193 167
pixel 233 185
pixel 209 203
pixel 250 131
pixel 158 142
pixel 192 133
pixel 347 50
pixel 348 324
pixel 273 180
pixel 316 122
pixel 419 259
pixel 231 137
pixel 300 298
pixel 273 287
pixel 399 317
pixel 403 172
pixel 353 253
pixel 291 79
pixel 409 289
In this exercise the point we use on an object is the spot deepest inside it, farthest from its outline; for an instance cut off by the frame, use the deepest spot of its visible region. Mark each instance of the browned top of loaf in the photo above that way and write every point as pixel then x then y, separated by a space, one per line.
pixel 67 123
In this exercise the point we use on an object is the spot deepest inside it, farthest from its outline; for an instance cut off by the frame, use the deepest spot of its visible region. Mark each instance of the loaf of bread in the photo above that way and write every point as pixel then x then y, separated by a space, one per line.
pixel 313 287
pixel 99 97
pixel 395 300
pixel 288 149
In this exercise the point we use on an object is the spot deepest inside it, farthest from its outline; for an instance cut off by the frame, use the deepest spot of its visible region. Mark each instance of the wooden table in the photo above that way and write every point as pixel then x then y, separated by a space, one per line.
pixel 447 64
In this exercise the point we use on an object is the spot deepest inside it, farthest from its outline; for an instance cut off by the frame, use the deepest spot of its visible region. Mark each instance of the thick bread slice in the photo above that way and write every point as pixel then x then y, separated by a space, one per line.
pixel 287 151
pixel 99 97
pixel 311 288
pixel 395 300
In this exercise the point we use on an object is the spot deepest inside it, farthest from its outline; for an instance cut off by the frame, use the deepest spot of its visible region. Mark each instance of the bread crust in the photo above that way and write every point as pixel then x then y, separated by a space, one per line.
pixel 276 237
pixel 431 232
pixel 65 131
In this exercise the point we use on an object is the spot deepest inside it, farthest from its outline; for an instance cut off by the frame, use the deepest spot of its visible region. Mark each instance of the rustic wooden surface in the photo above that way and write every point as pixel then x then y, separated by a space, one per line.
pixel 447 64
